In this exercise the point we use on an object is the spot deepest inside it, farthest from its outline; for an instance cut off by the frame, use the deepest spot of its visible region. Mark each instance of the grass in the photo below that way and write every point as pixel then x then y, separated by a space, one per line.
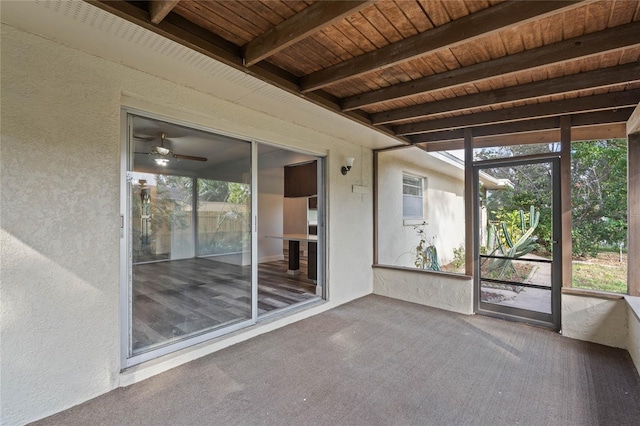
pixel 604 273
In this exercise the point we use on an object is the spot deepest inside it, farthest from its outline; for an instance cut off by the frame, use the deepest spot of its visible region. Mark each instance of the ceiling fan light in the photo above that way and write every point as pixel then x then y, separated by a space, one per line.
pixel 162 161
pixel 162 150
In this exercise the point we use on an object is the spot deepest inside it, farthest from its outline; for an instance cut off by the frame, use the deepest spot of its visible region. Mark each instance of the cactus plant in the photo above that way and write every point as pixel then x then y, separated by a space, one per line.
pixel 511 249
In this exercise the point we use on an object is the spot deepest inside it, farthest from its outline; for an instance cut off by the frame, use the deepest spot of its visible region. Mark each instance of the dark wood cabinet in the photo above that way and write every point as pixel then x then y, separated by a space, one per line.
pixel 312 264
pixel 301 180
pixel 313 203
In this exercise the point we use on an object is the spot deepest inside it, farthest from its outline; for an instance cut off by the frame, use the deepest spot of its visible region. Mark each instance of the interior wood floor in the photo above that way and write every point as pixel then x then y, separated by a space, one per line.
pixel 178 298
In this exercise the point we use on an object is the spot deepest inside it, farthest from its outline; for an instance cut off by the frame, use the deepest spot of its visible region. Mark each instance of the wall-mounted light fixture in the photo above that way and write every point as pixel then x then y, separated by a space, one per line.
pixel 345 169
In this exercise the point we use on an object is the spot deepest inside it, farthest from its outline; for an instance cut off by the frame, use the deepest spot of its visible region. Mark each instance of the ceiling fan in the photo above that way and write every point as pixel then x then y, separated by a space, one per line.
pixel 163 152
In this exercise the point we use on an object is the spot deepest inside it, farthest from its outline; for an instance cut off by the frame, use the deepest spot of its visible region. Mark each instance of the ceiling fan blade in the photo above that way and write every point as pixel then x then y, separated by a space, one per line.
pixel 144 137
pixel 189 157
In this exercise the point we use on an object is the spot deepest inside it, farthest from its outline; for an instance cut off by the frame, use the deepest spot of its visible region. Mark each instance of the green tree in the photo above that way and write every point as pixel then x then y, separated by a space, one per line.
pixel 598 195
pixel 234 215
pixel 212 190
pixel 532 187
pixel 598 199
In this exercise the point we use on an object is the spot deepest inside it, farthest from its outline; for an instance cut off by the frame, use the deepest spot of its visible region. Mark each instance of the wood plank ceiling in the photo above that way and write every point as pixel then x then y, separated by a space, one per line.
pixel 424 70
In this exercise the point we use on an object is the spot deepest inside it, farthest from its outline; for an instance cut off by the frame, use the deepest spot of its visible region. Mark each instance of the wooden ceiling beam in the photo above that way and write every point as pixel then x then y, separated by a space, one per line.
pixel 311 20
pixel 561 107
pixel 602 131
pixel 608 40
pixel 527 126
pixel 159 9
pixel 486 21
pixel 570 83
pixel 183 32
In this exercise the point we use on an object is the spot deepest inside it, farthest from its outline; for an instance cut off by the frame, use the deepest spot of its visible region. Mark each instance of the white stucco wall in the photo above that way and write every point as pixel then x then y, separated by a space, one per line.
pixel 444 209
pixel 633 339
pixel 595 319
pixel 438 290
pixel 60 159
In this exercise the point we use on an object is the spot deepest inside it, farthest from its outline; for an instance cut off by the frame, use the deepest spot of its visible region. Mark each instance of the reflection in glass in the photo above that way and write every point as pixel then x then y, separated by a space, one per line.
pixel 223 220
pixel 161 217
pixel 190 237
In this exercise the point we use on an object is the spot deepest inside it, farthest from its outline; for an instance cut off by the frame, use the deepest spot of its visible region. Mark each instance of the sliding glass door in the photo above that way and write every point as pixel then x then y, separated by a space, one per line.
pixel 190 244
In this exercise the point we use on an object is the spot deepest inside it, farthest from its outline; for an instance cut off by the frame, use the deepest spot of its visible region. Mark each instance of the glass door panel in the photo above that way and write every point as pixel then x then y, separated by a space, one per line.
pixel 518 251
pixel 190 241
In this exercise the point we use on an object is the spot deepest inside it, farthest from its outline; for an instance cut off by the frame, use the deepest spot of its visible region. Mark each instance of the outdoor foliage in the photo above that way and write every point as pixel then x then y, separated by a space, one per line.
pixel 511 241
pixel 513 225
pixel 228 235
pixel 605 273
pixel 458 258
pixel 212 190
pixel 426 254
pixel 169 211
pixel 599 193
pixel 532 187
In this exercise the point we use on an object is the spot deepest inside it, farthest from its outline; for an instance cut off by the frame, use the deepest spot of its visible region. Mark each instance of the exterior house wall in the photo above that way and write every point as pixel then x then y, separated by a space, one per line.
pixel 444 209
pixel 397 239
pixel 60 237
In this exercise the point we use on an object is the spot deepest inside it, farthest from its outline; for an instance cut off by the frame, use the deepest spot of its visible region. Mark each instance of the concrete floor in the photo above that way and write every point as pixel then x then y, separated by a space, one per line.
pixel 379 361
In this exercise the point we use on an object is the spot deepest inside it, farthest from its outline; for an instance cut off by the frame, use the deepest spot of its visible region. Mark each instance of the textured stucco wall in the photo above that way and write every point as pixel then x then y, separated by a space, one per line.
pixel 595 320
pixel 60 159
pixel 431 289
pixel 633 340
pixel 444 210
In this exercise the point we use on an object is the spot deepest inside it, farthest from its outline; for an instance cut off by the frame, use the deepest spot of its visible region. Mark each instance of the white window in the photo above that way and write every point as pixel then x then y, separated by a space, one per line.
pixel 412 197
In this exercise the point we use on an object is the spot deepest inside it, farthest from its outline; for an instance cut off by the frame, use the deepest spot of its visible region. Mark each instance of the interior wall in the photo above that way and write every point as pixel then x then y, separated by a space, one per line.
pixel 295 215
pixel 60 158
pixel 270 213
pixel 294 219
